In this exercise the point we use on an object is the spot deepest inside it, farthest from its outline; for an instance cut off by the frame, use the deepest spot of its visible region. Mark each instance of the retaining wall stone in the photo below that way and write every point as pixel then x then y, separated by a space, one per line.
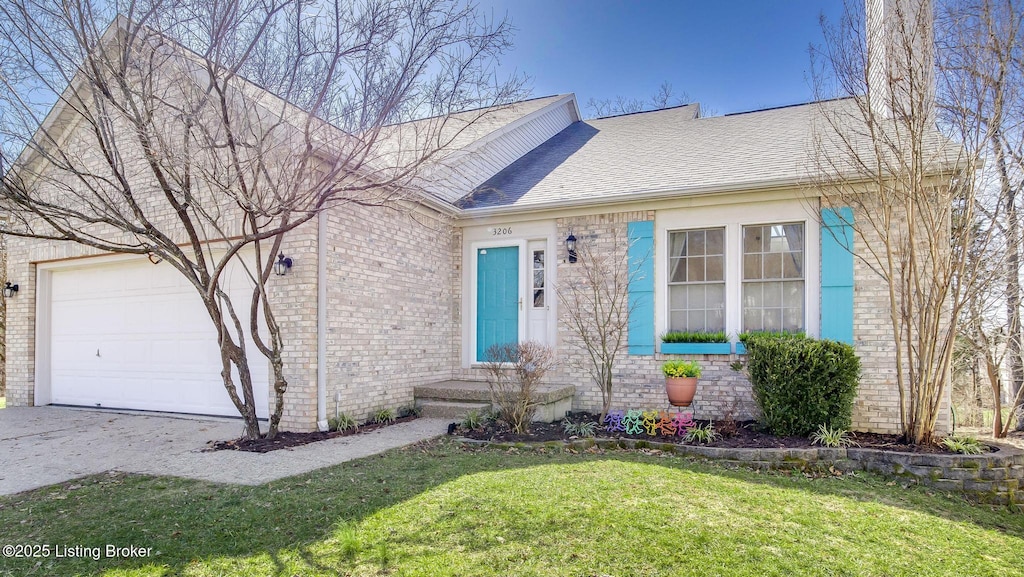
pixel 993 478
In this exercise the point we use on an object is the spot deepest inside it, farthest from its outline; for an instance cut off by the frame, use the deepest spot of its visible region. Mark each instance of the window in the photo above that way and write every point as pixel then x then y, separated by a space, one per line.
pixel 773 277
pixel 538 279
pixel 696 284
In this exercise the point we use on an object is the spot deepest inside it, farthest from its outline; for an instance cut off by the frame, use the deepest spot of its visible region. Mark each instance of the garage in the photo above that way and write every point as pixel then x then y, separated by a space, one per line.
pixel 131 334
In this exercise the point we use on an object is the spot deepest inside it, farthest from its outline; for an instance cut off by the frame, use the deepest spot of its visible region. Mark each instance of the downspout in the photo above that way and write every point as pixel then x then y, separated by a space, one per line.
pixel 321 322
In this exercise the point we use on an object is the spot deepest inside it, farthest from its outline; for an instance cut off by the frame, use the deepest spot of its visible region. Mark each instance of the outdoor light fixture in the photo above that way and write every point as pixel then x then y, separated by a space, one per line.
pixel 9 290
pixel 282 265
pixel 570 246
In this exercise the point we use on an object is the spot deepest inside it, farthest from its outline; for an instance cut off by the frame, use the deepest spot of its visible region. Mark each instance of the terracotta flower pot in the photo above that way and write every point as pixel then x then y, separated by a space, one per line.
pixel 680 390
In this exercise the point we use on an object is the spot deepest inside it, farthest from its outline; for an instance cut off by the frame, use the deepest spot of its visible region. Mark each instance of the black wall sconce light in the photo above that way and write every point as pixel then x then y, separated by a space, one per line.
pixel 10 290
pixel 570 247
pixel 282 265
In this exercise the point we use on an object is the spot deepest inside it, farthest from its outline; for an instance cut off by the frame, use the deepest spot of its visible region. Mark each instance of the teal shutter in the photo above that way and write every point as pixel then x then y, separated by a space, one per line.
pixel 641 287
pixel 837 274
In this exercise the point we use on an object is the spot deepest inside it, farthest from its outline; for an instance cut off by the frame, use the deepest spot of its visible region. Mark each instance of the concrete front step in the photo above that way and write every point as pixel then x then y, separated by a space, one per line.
pixel 454 396
pixel 437 409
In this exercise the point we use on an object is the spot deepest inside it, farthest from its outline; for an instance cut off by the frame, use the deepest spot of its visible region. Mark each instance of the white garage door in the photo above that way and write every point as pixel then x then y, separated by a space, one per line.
pixel 135 335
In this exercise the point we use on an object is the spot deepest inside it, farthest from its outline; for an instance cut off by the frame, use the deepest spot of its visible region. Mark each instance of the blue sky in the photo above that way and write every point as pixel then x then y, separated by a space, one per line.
pixel 731 56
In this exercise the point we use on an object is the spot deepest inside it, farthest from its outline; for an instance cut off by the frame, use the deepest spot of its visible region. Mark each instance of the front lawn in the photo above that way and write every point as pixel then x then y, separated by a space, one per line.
pixel 438 509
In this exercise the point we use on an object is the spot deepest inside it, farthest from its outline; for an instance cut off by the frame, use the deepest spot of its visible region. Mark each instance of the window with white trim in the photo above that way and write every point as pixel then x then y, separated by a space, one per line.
pixel 773 277
pixel 737 278
pixel 696 283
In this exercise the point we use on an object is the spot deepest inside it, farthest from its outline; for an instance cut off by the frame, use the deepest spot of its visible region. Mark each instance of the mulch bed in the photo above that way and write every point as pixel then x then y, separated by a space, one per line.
pixel 738 434
pixel 288 439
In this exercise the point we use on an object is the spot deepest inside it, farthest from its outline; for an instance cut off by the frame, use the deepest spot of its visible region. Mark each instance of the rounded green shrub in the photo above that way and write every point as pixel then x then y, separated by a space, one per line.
pixel 800 383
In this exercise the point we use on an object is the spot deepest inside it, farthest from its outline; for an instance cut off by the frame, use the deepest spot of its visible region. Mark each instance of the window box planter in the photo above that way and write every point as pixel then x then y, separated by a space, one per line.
pixel 696 348
pixel 741 349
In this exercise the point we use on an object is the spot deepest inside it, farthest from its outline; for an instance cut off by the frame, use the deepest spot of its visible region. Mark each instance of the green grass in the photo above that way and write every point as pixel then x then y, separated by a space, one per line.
pixel 437 509
pixel 3 402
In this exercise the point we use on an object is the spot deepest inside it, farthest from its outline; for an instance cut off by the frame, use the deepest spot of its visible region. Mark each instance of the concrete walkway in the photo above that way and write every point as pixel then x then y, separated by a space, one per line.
pixel 41 446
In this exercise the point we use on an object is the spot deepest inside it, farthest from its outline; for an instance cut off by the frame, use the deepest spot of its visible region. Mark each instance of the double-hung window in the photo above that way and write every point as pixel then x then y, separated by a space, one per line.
pixel 738 277
pixel 773 277
pixel 696 286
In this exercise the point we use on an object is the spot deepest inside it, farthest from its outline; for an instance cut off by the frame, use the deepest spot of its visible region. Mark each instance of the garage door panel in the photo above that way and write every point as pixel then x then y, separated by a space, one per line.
pixel 157 347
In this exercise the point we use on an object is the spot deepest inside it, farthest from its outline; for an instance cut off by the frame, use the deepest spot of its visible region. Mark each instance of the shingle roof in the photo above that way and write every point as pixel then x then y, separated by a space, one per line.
pixel 460 129
pixel 666 150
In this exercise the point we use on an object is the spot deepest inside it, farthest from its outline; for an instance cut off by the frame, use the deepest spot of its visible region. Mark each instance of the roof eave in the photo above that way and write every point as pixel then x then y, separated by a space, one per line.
pixel 804 182
pixel 630 197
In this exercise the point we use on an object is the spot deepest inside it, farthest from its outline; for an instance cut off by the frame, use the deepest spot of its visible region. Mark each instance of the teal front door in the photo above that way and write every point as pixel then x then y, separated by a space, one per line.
pixel 497 298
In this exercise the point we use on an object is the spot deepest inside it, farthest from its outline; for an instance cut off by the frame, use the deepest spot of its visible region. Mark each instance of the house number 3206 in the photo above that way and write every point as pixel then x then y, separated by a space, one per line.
pixel 501 231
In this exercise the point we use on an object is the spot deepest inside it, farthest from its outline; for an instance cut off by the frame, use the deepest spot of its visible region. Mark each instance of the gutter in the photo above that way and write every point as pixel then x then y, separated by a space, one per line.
pixel 655 194
pixel 321 322
pixel 632 196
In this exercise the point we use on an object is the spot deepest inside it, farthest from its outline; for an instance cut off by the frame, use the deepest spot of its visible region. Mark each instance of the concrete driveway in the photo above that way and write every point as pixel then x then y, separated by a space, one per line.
pixel 41 446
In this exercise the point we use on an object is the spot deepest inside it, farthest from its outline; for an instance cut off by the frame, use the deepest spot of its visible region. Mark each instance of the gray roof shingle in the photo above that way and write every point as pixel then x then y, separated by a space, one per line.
pixel 665 150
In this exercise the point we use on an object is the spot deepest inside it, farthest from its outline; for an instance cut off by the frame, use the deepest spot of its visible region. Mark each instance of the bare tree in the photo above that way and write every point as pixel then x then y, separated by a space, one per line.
pixel 911 187
pixel 594 295
pixel 514 374
pixel 664 98
pixel 200 133
pixel 3 319
pixel 981 58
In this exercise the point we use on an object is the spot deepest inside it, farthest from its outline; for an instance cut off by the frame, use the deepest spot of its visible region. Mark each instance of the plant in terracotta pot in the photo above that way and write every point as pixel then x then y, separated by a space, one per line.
pixel 681 381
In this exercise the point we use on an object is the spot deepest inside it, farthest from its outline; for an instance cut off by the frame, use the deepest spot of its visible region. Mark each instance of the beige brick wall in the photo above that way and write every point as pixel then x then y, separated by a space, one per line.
pixel 722 390
pixel 639 382
pixel 294 300
pixel 21 319
pixel 390 323
pixel 877 405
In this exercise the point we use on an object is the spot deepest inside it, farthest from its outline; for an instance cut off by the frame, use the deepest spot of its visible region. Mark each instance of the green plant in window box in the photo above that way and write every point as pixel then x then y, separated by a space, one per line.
pixel 745 336
pixel 694 337
pixel 681 381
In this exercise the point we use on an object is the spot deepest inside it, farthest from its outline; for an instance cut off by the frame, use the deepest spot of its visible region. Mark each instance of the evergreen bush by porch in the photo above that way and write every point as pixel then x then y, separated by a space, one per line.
pixel 800 383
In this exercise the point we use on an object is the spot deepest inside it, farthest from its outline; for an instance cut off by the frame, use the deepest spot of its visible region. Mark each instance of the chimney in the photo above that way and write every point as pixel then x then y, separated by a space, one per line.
pixel 900 62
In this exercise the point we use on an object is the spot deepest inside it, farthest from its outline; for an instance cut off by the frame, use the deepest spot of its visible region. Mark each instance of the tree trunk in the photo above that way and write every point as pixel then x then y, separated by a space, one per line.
pixel 1012 293
pixel 997 385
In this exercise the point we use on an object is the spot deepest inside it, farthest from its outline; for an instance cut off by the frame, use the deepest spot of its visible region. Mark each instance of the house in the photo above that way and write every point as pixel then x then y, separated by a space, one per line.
pixel 720 202
pixel 377 303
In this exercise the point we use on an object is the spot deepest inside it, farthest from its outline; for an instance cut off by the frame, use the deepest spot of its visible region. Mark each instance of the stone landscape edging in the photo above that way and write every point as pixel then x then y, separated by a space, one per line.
pixel 994 478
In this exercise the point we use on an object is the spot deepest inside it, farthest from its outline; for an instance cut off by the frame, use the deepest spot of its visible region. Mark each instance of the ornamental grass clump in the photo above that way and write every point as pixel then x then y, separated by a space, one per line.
pixel 832 438
pixel 963 445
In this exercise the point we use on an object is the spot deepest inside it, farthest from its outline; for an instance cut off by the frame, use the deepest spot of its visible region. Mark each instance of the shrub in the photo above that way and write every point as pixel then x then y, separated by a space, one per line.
pixel 746 336
pixel 514 375
pixel 694 337
pixel 801 383
pixel 681 369
pixel 727 426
